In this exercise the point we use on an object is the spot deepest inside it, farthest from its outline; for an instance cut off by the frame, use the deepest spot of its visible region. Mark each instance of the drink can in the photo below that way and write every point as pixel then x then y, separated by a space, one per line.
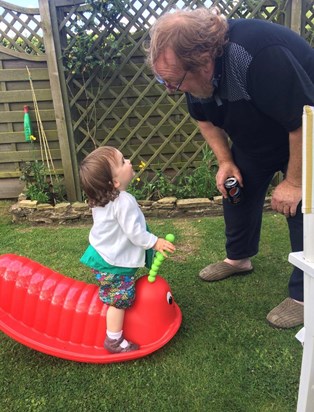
pixel 233 190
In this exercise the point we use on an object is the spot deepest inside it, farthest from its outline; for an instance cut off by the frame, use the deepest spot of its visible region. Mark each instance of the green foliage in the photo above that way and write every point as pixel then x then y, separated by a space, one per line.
pixel 88 51
pixel 20 43
pixel 151 187
pixel 145 188
pixel 80 58
pixel 198 182
pixel 108 8
pixel 38 185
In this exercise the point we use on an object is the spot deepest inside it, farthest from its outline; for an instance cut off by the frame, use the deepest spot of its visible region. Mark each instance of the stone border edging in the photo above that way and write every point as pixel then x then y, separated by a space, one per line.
pixel 63 213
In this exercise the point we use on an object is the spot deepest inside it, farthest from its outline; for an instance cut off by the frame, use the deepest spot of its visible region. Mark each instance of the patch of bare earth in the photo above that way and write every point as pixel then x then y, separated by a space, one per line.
pixel 190 239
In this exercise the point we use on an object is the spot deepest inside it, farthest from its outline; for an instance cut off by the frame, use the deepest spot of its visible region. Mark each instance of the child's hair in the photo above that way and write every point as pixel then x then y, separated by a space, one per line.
pixel 96 176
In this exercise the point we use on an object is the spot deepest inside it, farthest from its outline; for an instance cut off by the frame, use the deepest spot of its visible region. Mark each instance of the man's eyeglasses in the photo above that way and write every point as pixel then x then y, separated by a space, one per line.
pixel 169 85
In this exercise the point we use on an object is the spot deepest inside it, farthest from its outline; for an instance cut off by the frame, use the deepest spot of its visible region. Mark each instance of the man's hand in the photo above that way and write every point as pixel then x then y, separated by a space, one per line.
pixel 227 169
pixel 286 198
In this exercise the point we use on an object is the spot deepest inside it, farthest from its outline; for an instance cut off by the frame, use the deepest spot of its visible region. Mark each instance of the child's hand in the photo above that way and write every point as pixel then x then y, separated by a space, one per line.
pixel 162 246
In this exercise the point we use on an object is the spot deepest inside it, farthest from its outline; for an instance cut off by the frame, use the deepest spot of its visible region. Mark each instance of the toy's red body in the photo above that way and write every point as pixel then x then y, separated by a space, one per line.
pixel 64 317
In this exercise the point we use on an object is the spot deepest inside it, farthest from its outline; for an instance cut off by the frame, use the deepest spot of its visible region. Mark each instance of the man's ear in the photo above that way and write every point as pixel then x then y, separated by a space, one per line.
pixel 206 63
pixel 207 68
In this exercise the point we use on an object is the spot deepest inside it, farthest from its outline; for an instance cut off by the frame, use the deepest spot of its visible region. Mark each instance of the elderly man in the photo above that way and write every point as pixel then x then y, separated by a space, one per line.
pixel 246 80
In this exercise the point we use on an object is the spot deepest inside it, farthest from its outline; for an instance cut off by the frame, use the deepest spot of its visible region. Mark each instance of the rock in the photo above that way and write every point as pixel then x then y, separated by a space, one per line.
pixel 193 203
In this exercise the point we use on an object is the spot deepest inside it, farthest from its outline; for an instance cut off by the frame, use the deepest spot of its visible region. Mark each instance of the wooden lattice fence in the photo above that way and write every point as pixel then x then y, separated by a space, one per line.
pixel 107 95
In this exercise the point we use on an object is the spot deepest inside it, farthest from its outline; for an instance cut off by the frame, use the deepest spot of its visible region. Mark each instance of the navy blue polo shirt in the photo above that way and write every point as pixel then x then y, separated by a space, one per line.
pixel 263 79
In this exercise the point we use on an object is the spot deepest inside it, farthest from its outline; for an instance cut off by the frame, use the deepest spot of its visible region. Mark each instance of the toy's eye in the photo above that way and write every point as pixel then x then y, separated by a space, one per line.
pixel 169 298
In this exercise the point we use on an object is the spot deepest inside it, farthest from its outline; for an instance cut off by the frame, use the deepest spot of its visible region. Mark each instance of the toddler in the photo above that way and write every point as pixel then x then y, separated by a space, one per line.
pixel 118 238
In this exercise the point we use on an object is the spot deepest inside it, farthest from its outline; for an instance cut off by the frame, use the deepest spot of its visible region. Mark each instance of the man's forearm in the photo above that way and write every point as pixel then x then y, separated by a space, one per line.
pixel 294 170
pixel 217 140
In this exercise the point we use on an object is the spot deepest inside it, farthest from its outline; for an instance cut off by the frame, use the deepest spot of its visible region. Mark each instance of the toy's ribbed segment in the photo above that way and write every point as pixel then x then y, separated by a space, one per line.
pixel 32 294
pixel 55 319
pixel 95 328
pixel 16 282
pixel 8 274
pixel 51 303
pixel 43 321
pixel 81 313
pixel 63 307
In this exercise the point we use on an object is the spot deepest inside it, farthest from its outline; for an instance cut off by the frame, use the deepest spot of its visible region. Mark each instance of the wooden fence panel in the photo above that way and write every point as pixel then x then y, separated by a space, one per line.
pixel 15 93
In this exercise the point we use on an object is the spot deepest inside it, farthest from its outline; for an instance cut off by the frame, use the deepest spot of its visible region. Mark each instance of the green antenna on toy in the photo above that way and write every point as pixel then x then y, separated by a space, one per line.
pixel 158 259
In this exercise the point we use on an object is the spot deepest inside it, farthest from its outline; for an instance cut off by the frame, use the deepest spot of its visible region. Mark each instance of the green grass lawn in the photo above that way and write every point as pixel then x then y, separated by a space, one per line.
pixel 224 358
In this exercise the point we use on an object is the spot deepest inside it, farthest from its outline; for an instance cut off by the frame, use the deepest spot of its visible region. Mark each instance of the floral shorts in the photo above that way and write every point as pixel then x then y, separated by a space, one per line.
pixel 116 290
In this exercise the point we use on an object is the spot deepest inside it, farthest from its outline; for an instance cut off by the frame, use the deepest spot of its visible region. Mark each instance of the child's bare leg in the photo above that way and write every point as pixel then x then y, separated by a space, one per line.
pixel 115 318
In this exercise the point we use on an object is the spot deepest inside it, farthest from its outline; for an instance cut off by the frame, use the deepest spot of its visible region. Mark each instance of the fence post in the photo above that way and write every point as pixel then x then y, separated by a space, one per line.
pixel 296 15
pixel 66 143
